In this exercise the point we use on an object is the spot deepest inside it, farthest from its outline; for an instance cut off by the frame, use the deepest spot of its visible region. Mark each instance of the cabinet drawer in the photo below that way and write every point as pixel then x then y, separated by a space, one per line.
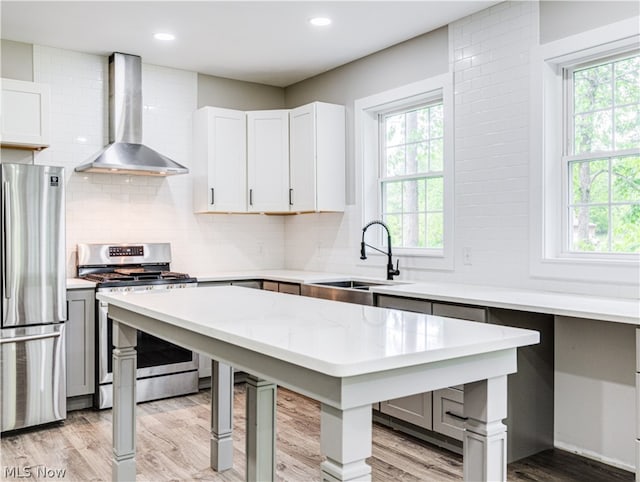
pixel 406 304
pixel 270 285
pixel 448 412
pixel 471 313
pixel 290 288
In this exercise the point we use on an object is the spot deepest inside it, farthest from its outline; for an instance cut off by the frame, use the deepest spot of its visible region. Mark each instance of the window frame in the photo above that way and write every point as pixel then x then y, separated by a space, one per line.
pixel 367 142
pixel 569 156
pixel 547 257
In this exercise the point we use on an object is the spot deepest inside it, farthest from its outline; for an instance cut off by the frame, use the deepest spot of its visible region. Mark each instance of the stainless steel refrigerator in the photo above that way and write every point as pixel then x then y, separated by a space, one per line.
pixel 34 308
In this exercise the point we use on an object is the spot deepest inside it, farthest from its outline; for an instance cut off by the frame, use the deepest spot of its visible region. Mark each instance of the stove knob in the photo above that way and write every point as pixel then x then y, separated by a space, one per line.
pixel 128 288
pixel 169 287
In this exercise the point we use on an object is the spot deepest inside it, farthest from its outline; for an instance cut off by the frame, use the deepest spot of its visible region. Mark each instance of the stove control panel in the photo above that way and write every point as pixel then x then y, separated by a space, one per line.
pixel 119 251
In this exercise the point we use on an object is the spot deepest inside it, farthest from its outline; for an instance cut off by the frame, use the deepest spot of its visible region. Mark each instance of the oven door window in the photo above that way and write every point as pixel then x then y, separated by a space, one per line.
pixel 152 351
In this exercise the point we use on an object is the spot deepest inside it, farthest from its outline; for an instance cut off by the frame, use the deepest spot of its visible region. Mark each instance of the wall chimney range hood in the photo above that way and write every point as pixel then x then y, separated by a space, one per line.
pixel 125 153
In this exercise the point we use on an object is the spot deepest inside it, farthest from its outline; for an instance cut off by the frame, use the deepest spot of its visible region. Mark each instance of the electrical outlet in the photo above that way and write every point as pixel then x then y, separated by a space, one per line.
pixel 466 255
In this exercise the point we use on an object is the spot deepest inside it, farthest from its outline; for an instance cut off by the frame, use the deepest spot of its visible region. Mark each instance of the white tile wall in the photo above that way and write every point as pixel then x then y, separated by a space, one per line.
pixel 490 58
pixel 490 53
pixel 116 208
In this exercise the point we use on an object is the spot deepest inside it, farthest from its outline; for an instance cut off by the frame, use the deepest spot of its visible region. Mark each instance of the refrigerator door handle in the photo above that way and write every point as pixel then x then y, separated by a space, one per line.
pixel 6 250
pixel 22 339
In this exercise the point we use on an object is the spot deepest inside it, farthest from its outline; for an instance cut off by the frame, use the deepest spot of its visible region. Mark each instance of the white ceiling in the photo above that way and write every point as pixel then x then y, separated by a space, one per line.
pixel 266 42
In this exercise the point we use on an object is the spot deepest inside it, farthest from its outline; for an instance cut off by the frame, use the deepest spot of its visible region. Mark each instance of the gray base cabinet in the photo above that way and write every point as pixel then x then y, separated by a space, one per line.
pixel 80 342
pixel 435 411
pixel 415 409
pixel 530 390
pixel 448 412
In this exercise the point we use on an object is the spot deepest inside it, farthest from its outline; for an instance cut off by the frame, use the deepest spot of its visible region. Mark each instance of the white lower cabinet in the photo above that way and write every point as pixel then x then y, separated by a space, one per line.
pixel 80 342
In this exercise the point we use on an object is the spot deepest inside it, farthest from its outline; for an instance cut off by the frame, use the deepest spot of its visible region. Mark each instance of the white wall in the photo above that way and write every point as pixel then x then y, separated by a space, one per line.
pixel 490 55
pixel 104 208
pixel 595 390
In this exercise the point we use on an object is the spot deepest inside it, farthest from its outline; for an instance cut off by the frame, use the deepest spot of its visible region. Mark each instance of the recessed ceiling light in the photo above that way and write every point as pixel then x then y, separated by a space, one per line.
pixel 164 36
pixel 320 21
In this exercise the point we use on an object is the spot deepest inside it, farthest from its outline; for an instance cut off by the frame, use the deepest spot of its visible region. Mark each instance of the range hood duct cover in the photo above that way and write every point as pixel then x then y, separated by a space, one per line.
pixel 125 153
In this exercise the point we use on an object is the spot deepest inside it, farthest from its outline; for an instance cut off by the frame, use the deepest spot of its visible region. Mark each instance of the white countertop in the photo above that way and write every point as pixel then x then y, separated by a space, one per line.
pixel 283 275
pixel 338 339
pixel 78 284
pixel 621 310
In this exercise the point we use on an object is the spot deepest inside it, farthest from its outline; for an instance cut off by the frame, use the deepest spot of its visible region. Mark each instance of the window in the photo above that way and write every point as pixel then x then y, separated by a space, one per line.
pixel 584 158
pixel 411 175
pixel 602 156
pixel 404 157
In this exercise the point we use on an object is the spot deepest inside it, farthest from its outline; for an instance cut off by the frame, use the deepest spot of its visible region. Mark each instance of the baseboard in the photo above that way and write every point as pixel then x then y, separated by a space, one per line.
pixel 594 456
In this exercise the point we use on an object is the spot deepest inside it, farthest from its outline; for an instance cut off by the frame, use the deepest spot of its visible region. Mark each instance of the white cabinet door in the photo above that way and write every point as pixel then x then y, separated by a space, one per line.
pixel 268 161
pixel 220 163
pixel 25 117
pixel 80 342
pixel 317 163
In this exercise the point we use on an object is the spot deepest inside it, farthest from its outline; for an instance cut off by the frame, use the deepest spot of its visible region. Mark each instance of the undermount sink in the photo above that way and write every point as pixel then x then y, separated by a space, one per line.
pixel 350 291
pixel 352 284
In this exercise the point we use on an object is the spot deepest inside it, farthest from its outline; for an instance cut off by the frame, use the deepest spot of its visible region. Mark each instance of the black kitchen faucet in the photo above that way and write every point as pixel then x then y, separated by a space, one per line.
pixel 391 272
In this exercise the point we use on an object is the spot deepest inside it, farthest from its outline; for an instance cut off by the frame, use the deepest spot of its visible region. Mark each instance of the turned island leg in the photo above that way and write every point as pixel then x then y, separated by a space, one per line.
pixel 124 403
pixel 221 416
pixel 485 436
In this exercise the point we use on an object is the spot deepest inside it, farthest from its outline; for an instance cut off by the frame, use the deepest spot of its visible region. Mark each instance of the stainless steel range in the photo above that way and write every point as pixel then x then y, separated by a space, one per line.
pixel 164 369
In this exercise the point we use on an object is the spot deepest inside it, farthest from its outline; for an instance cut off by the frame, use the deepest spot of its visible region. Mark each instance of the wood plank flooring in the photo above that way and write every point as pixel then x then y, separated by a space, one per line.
pixel 173 444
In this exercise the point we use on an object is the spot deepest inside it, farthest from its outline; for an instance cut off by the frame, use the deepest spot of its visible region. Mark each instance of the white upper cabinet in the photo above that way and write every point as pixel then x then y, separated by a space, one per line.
pixel 317 158
pixel 25 114
pixel 268 161
pixel 220 162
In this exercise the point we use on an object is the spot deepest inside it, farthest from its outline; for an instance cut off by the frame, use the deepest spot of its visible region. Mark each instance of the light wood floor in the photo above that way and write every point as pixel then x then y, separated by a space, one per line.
pixel 173 444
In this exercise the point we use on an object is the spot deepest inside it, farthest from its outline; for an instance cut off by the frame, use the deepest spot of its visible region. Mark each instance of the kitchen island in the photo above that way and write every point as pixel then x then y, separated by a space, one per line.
pixel 345 356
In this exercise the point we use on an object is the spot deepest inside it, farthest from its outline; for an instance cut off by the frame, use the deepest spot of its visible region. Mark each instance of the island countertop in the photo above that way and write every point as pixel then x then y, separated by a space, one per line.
pixel 338 339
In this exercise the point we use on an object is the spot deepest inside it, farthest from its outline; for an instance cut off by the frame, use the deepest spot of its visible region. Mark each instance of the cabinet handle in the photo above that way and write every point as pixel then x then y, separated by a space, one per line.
pixel 213 196
pixel 455 415
pixel 290 197
pixel 250 197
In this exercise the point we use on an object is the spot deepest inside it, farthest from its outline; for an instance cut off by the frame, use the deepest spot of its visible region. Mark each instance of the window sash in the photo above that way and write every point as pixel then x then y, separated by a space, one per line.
pixel 569 157
pixel 426 215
